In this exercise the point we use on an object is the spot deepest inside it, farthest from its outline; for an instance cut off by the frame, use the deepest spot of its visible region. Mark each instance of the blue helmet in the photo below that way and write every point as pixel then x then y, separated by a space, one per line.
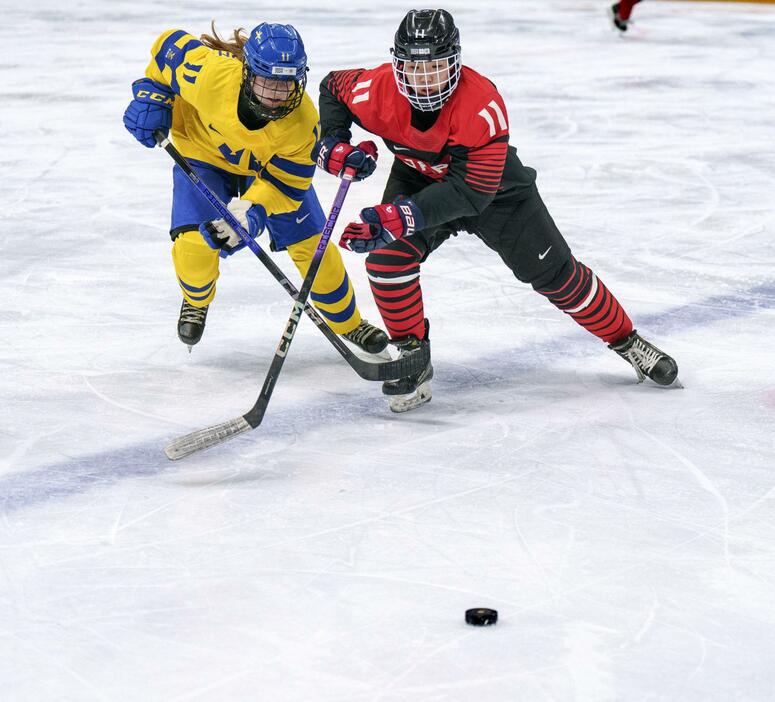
pixel 275 53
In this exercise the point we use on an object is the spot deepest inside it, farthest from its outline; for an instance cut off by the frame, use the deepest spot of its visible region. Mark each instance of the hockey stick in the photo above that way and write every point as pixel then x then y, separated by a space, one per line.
pixel 368 370
pixel 205 438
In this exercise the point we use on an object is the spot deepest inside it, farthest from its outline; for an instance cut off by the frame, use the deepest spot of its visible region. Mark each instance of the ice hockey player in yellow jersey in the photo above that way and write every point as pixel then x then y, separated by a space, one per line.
pixel 239 113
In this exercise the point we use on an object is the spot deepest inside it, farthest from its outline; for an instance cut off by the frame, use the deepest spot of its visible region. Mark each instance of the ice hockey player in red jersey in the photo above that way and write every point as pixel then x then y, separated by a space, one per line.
pixel 620 13
pixel 448 129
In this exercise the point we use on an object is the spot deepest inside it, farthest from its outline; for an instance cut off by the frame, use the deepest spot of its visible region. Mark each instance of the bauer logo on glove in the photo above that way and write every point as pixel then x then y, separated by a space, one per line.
pixel 381 225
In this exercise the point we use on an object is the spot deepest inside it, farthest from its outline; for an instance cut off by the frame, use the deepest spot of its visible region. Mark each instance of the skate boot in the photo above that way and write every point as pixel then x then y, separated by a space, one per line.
pixel 405 394
pixel 646 359
pixel 616 18
pixel 191 323
pixel 367 337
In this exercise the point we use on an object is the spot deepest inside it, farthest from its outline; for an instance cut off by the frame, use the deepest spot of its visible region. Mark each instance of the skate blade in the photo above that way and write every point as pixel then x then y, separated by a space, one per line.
pixel 676 384
pixel 404 403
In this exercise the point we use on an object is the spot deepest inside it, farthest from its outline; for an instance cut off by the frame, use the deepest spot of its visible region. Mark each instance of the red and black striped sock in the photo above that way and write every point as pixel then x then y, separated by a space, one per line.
pixel 584 297
pixel 394 275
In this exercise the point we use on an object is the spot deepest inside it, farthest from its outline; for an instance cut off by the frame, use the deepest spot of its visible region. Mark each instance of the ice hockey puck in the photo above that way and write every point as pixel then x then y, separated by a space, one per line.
pixel 481 616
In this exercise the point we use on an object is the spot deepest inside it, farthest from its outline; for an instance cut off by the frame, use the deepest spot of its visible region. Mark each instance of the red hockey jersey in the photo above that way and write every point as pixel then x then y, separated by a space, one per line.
pixel 464 153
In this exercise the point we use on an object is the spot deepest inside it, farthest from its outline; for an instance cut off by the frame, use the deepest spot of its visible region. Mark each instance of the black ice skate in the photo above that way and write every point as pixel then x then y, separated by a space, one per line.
pixel 646 359
pixel 619 23
pixel 191 323
pixel 405 394
pixel 367 337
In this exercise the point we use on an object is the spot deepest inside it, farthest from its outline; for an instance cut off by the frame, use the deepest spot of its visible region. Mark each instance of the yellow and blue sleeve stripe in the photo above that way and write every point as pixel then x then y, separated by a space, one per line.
pixel 281 185
pixel 292 179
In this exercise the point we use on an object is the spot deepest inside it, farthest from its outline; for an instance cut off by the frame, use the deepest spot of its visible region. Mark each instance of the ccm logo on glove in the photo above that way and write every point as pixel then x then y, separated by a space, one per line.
pixel 155 97
pixel 150 109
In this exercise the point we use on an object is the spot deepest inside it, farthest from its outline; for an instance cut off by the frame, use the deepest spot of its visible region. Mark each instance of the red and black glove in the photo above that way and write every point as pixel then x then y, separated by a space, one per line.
pixel 382 224
pixel 334 153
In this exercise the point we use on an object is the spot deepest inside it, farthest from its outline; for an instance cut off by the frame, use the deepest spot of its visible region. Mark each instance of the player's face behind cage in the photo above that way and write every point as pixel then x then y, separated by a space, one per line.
pixel 427 84
pixel 426 58
pixel 273 98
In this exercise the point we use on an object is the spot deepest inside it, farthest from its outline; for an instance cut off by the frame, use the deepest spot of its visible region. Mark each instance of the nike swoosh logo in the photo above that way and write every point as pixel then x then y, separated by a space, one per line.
pixel 401 148
pixel 214 129
pixel 299 221
pixel 542 256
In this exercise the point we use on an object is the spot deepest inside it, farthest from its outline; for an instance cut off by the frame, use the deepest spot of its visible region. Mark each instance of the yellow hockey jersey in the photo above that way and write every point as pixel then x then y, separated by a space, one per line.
pixel 205 125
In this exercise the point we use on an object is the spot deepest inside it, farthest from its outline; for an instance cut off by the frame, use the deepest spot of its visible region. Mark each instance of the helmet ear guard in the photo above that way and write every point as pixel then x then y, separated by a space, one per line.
pixel 426 58
pixel 274 55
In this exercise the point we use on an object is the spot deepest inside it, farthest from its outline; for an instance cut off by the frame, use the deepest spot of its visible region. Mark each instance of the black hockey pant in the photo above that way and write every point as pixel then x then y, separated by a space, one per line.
pixel 523 233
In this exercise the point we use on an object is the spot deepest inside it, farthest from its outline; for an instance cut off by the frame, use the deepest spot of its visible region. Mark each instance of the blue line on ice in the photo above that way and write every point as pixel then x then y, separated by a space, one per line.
pixel 76 476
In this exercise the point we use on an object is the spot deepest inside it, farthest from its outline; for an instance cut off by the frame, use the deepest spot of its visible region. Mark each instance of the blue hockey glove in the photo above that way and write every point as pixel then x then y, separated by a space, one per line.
pixel 381 225
pixel 151 109
pixel 219 235
pixel 334 153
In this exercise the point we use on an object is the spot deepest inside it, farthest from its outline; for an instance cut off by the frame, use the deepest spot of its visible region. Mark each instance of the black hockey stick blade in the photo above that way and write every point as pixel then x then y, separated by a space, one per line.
pixel 409 364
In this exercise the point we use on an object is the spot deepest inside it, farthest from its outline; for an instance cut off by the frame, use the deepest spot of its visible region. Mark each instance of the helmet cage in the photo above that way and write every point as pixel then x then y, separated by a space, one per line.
pixel 438 77
pixel 274 53
pixel 256 101
pixel 426 58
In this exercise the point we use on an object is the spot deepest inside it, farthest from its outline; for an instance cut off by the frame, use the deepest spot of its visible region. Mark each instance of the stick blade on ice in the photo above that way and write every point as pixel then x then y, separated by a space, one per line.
pixel 205 438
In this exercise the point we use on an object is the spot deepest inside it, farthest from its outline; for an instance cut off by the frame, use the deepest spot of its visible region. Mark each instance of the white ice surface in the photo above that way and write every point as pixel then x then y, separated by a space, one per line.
pixel 624 532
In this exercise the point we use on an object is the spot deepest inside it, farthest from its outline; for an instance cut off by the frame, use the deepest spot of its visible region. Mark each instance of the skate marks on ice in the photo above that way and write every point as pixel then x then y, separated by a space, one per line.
pixel 518 364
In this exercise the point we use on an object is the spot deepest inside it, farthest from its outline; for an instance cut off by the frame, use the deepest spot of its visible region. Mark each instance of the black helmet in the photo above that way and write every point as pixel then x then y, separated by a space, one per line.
pixel 426 37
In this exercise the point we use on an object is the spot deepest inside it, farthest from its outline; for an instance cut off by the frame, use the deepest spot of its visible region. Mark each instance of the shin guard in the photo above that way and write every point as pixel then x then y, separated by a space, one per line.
pixel 582 295
pixel 332 292
pixel 196 266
